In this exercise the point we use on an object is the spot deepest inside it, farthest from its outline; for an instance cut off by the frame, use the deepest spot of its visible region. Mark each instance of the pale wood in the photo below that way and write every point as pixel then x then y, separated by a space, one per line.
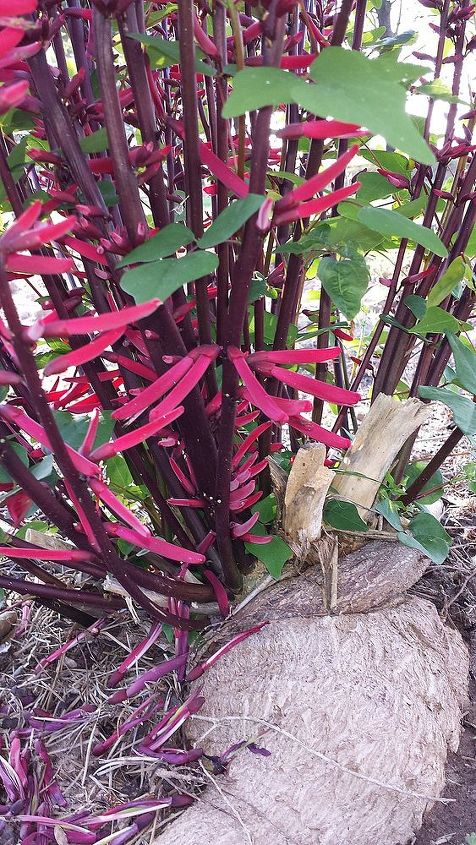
pixel 377 443
pixel 306 490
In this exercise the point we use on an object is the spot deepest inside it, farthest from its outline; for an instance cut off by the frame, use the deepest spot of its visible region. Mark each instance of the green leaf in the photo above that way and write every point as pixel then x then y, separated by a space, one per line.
pixel 427 535
pixel 108 192
pixel 21 453
pixel 464 410
pixel 345 281
pixel 274 554
pixel 97 142
pixel 269 329
pixel 396 162
pixel 470 250
pixel 389 511
pixel 163 278
pixel 256 87
pixel 465 363
pixel 345 234
pixel 374 187
pixel 73 428
pixel 230 220
pixel 257 289
pixel 267 509
pixel 164 53
pixel 397 40
pixel 43 468
pixel 437 321
pixel 416 304
pixel 390 223
pixel 469 471
pixel 343 515
pixel 450 278
pixel 164 243
pixel 414 208
pixel 118 473
pixel 353 88
pixel 412 472
pixel 437 90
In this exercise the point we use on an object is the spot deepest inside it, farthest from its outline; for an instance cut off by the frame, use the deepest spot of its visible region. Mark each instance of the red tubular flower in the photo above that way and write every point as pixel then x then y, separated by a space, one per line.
pixel 91 433
pixel 204 42
pixel 15 8
pixel 85 353
pixel 341 334
pixel 300 61
pixel 154 544
pixel 10 37
pixel 133 366
pixel 198 670
pixel 223 173
pixel 219 590
pixel 316 432
pixel 321 129
pixel 238 529
pixel 45 554
pixel 112 502
pixel 318 182
pixel 251 32
pixel 132 438
pixel 256 391
pixel 18 506
pixel 184 481
pixel 248 442
pixel 206 354
pixel 17 417
pixel 41 264
pixel 187 503
pixel 307 209
pixel 395 179
pixel 155 391
pixel 295 356
pixel 86 250
pixel 21 236
pixel 8 377
pixel 101 322
pixel 12 95
pixel 320 389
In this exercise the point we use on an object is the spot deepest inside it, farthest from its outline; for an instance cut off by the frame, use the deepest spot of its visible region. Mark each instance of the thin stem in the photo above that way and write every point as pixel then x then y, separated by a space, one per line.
pixel 443 452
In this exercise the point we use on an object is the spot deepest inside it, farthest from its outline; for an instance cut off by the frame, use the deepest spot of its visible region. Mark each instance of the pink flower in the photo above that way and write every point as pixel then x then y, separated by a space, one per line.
pixel 132 438
pixel 248 442
pixel 101 322
pixel 256 391
pixel 45 554
pixel 21 235
pixel 112 502
pixel 294 356
pixel 307 209
pixel 155 391
pixel 316 432
pixel 83 354
pixel 223 173
pixel 320 389
pixel 318 182
pixel 321 129
pixel 25 423
pixel 41 264
pixel 12 95
pixel 154 544
pixel 206 354
pixel 198 670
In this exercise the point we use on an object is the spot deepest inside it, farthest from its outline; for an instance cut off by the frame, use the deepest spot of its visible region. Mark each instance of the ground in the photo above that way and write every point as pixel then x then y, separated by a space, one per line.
pixel 124 773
